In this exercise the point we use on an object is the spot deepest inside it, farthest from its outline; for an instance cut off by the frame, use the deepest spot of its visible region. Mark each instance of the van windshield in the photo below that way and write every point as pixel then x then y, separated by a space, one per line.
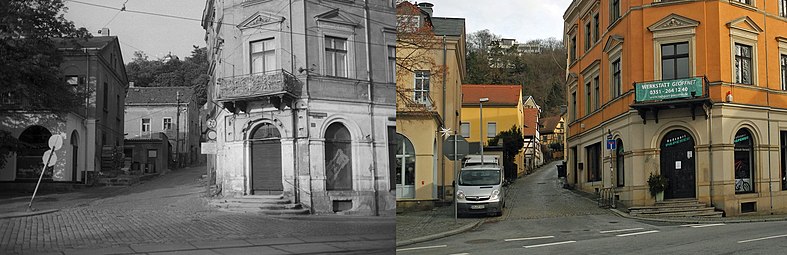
pixel 479 177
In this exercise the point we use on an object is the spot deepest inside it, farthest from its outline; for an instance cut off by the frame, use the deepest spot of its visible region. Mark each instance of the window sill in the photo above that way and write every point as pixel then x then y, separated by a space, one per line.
pixel 745 6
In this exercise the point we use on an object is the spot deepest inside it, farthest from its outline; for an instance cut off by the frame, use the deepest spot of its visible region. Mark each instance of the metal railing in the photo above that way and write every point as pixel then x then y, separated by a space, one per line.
pixel 606 198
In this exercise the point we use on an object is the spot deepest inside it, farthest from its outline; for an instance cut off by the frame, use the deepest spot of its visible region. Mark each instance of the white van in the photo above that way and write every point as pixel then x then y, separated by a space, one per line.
pixel 474 160
pixel 480 190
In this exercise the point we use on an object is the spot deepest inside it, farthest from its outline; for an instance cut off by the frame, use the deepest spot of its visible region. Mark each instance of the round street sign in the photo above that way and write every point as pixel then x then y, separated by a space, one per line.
pixel 55 141
pixel 46 157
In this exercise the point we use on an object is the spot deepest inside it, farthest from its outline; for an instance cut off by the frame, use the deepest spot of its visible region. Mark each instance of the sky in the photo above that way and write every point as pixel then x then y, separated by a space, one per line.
pixel 156 36
pixel 522 20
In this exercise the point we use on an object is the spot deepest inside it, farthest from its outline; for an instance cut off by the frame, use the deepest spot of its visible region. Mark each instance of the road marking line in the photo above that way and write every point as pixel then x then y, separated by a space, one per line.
pixel 639 233
pixel 421 248
pixel 528 238
pixel 707 225
pixel 548 244
pixel 620 230
pixel 760 239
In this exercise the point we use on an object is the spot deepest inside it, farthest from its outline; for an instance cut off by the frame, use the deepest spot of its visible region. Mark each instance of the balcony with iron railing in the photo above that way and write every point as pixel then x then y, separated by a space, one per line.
pixel 247 87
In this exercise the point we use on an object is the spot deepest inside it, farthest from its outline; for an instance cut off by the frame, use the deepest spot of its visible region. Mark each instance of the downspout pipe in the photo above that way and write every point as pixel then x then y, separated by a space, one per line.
pixel 445 118
pixel 370 79
pixel 768 101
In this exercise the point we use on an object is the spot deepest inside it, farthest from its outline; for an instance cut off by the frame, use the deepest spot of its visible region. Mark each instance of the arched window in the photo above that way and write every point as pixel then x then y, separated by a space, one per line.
pixel 619 164
pixel 338 158
pixel 28 160
pixel 405 167
pixel 744 161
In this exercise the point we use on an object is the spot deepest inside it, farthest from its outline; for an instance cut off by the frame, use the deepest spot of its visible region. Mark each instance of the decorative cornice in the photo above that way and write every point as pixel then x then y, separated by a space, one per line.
pixel 673 21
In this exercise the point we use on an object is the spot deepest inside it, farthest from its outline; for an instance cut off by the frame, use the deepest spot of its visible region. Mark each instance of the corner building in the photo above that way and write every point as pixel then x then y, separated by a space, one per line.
pixel 301 102
pixel 693 90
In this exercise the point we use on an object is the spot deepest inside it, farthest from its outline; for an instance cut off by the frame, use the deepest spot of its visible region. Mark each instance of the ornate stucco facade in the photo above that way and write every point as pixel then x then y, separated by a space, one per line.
pixel 301 101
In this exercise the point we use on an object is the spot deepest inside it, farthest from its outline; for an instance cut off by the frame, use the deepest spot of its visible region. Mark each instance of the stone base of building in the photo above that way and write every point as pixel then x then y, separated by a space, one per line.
pixel 415 205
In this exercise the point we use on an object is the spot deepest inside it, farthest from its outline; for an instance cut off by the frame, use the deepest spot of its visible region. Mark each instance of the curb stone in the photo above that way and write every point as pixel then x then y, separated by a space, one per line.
pixel 697 221
pixel 440 235
pixel 26 214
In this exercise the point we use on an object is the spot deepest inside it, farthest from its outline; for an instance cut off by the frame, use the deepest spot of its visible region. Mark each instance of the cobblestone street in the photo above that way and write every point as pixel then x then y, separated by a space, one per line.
pixel 171 209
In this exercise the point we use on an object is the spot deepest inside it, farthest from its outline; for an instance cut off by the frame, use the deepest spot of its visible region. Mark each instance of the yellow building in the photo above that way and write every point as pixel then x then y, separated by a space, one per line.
pixel 504 110
pixel 428 94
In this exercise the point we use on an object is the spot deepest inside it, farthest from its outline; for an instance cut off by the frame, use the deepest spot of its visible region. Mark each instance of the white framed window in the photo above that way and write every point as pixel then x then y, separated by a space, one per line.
pixel 743 64
pixel 587 99
pixel 392 63
pixel 783 64
pixel 596 93
pixel 614 10
pixel 674 36
pixel 145 125
pixel 744 33
pixel 743 1
pixel 263 55
pixel 616 81
pixel 335 56
pixel 491 129
pixel 783 8
pixel 166 123
pixel 465 129
pixel 421 87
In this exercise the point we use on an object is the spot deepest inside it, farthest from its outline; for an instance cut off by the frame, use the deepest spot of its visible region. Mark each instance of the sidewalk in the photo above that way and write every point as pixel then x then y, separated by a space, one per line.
pixel 15 204
pixel 414 227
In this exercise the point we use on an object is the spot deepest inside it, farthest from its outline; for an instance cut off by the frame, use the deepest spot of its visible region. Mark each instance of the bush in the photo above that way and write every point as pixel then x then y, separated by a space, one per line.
pixel 656 183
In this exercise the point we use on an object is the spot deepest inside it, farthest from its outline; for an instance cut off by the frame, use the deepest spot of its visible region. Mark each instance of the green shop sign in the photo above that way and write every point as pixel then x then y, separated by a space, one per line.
pixel 671 89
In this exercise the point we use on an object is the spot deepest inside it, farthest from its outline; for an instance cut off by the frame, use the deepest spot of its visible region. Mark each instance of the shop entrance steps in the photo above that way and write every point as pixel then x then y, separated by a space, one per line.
pixel 263 204
pixel 676 208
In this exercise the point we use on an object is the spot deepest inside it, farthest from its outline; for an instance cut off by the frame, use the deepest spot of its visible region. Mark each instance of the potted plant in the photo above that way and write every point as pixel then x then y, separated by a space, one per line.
pixel 657 183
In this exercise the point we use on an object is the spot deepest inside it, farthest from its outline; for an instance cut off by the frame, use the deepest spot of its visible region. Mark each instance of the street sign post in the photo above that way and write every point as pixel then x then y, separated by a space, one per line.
pixel 455 147
pixel 49 159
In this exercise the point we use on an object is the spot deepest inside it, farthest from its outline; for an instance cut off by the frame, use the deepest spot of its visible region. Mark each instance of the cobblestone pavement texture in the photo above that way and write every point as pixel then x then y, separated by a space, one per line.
pixel 167 209
pixel 535 196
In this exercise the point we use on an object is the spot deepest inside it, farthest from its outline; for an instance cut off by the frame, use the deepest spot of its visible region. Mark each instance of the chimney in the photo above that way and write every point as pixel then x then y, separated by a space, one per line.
pixel 104 31
pixel 427 7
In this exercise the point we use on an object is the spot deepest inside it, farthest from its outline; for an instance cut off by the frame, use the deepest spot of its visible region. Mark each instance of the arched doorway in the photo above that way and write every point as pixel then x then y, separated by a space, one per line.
pixel 28 160
pixel 338 158
pixel 266 160
pixel 405 167
pixel 677 164
pixel 74 154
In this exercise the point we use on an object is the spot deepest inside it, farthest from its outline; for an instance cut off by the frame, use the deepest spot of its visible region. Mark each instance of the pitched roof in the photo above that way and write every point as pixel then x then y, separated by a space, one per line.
pixel 448 26
pixel 497 94
pixel 549 124
pixel 158 95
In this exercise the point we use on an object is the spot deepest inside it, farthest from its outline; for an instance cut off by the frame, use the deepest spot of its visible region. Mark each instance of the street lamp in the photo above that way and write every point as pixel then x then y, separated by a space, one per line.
pixel 481 102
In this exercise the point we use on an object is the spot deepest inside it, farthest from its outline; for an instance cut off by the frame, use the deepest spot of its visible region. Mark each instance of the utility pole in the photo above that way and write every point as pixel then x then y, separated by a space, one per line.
pixel 177 131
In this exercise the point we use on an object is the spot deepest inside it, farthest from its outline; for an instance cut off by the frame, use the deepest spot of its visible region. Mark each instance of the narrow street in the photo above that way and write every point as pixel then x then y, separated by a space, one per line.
pixel 170 213
pixel 543 218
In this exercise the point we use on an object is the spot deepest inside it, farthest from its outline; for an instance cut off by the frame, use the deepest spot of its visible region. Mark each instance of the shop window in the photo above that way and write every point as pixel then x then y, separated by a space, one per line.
pixel 744 161
pixel 338 158
pixel 392 159
pixel 619 163
pixel 593 160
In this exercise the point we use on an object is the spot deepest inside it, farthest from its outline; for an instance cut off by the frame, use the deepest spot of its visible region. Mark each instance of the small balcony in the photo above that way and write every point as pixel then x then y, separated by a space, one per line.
pixel 654 96
pixel 248 87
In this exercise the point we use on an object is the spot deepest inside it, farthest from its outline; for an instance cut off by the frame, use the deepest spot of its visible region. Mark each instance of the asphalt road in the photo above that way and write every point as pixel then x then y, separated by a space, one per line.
pixel 543 218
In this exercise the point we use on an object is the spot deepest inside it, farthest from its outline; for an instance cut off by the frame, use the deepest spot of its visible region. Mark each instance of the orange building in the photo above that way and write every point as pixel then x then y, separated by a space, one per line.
pixel 693 90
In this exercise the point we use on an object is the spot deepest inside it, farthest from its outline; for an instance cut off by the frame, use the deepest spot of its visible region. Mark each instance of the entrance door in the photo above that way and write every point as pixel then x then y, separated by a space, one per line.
pixel 677 164
pixel 266 160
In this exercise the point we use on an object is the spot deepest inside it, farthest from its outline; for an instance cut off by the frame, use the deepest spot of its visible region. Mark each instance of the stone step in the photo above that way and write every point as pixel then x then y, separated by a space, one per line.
pixel 698 205
pixel 671 210
pixel 711 214
pixel 678 201
pixel 286 212
pixel 244 200
pixel 279 196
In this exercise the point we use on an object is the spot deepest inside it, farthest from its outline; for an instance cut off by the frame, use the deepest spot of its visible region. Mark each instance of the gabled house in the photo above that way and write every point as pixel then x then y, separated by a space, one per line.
pixel 169 110
pixel 531 114
pixel 94 65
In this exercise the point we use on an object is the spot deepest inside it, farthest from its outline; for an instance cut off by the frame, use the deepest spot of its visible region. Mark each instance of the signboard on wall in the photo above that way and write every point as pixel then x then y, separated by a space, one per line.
pixel 669 89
